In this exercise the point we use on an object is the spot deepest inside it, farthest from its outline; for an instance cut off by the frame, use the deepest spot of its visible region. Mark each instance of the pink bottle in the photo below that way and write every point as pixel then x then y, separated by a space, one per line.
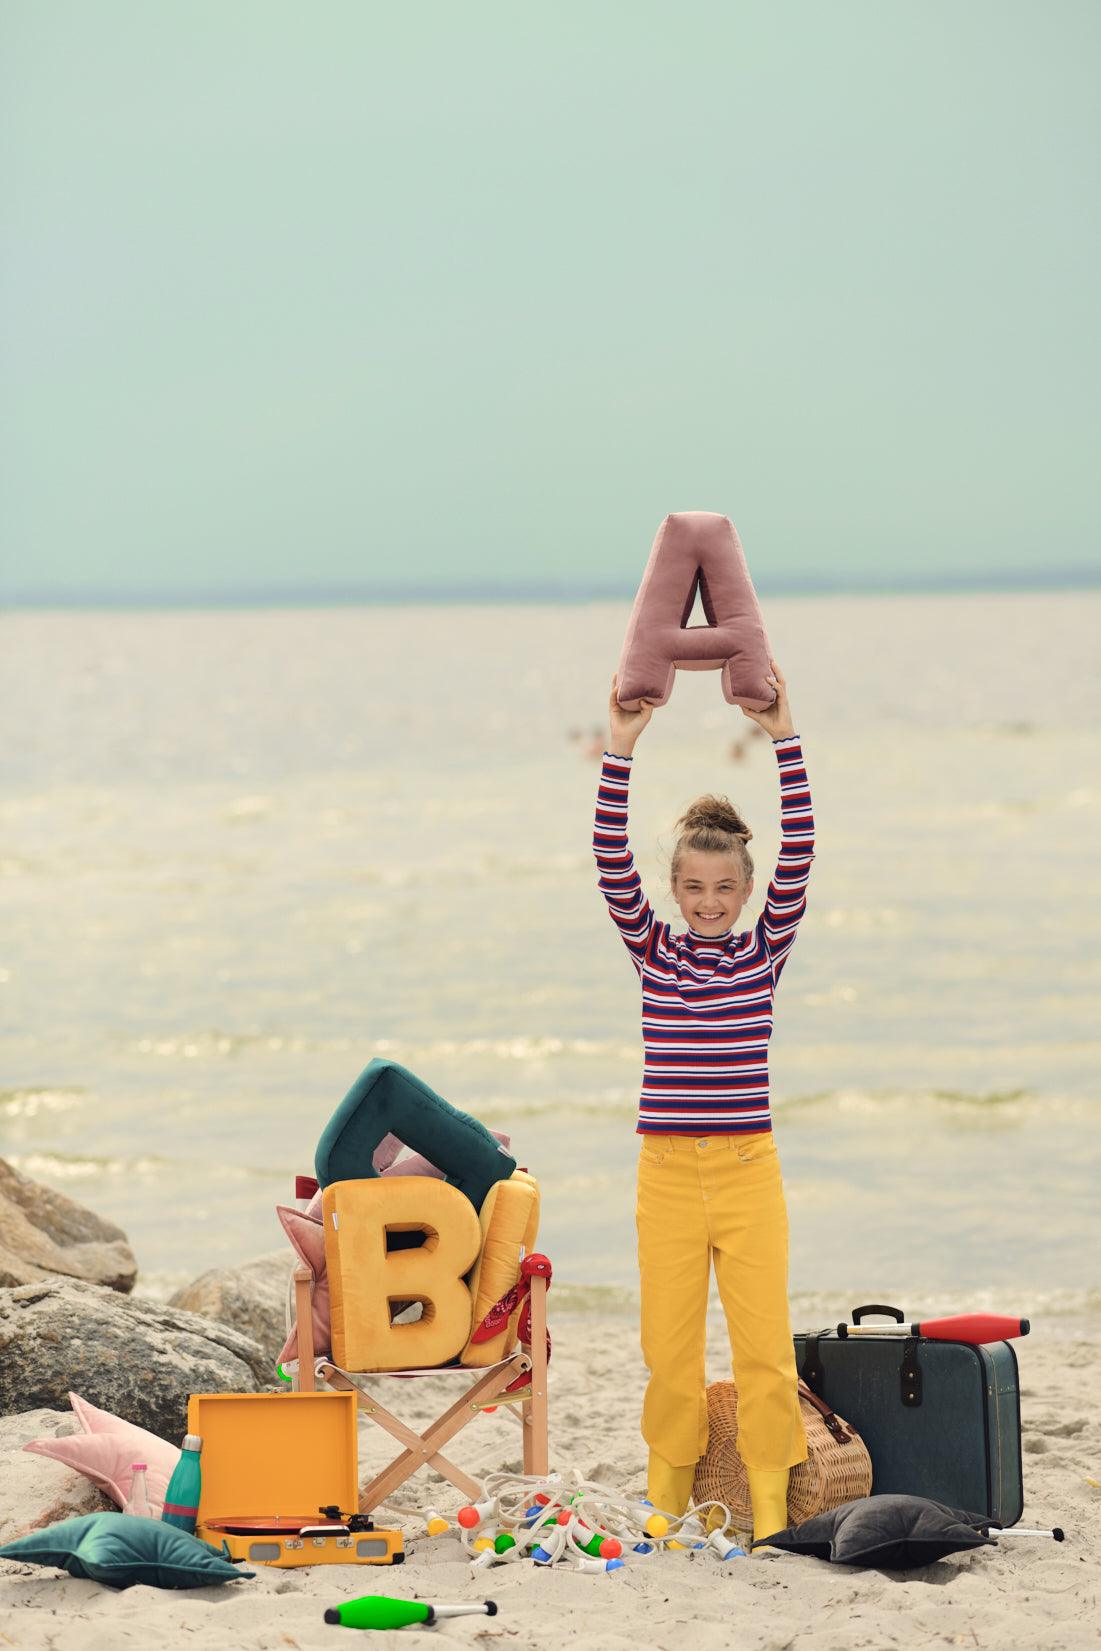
pixel 137 1502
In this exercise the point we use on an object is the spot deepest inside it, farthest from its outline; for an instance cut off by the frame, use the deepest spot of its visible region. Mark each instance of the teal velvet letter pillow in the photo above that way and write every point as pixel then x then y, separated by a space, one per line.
pixel 387 1099
pixel 121 1550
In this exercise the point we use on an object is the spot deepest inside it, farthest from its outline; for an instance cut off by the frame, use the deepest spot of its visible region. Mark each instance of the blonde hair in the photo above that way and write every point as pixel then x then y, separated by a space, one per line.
pixel 712 825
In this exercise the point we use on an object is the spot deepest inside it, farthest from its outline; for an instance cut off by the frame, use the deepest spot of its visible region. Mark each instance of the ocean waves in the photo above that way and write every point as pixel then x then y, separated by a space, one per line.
pixel 212 1043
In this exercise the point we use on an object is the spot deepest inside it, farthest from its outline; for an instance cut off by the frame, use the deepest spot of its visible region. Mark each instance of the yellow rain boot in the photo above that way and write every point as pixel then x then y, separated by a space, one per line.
pixel 670 1488
pixel 768 1495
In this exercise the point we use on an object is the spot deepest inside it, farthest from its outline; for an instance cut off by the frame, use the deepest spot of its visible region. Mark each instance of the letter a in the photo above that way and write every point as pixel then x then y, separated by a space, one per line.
pixel 366 1279
pixel 695 550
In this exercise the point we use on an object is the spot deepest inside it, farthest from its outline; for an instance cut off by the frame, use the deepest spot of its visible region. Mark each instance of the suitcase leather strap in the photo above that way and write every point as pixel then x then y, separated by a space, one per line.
pixel 836 1426
pixel 909 1374
pixel 810 1370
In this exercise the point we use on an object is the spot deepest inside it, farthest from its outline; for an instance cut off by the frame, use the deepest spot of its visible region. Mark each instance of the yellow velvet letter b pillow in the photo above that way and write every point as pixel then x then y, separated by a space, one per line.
pixel 365 1278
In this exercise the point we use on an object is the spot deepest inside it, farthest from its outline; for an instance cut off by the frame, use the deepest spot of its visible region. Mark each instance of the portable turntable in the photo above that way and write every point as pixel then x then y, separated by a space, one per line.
pixel 281 1480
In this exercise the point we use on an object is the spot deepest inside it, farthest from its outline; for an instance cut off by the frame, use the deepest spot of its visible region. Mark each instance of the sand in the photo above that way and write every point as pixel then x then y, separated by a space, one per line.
pixel 1029 1595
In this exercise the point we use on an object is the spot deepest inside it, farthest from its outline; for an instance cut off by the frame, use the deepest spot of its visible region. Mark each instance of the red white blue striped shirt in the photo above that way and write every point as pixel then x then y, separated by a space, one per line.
pixel 706 1000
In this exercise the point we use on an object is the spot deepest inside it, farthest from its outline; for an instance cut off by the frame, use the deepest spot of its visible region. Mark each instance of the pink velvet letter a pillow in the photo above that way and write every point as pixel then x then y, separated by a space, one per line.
pixel 695 550
pixel 107 1450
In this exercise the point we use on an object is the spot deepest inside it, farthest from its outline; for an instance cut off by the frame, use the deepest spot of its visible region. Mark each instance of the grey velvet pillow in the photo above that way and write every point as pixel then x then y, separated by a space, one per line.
pixel 891 1532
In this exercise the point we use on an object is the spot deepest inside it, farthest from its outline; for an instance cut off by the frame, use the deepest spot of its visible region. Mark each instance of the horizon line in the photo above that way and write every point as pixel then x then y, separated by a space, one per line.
pixel 532 591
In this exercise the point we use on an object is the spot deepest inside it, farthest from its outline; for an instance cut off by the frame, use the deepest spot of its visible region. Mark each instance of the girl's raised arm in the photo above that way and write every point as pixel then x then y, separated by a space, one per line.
pixel 786 900
pixel 619 881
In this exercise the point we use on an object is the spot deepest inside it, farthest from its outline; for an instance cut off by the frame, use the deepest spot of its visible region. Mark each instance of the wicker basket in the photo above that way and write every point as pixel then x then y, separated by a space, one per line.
pixel 837 1469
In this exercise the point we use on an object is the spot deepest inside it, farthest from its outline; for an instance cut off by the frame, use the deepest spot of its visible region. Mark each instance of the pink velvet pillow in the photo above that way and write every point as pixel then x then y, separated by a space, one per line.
pixel 385 1153
pixel 307 1237
pixel 415 1164
pixel 695 549
pixel 106 1451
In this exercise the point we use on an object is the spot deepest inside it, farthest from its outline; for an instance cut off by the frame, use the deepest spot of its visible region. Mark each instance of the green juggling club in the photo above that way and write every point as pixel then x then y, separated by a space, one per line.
pixel 376 1611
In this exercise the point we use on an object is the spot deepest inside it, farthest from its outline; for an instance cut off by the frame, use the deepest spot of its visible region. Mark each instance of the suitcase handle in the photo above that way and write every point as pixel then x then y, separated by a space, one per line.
pixel 858 1313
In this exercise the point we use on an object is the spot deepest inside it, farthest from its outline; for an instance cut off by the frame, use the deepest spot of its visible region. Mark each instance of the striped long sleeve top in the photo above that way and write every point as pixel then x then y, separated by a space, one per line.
pixel 706 1000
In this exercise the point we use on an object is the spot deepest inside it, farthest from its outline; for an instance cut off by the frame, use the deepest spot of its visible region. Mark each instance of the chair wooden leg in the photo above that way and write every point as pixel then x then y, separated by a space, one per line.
pixel 442 1429
pixel 536 1446
pixel 303 1313
pixel 423 1449
pixel 385 1483
pixel 415 1455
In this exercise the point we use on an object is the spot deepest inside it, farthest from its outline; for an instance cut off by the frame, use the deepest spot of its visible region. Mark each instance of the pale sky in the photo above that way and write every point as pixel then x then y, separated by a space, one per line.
pixel 331 296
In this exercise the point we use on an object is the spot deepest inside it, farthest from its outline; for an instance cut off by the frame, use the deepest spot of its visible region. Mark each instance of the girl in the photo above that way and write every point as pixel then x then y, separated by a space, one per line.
pixel 709 1182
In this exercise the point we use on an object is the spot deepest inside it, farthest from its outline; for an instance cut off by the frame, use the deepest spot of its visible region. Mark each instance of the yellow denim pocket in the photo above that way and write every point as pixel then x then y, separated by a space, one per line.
pixel 655 1149
pixel 756 1148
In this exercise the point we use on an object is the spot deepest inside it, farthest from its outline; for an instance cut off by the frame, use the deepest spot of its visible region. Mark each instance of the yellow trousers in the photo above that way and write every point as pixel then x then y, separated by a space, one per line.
pixel 721 1198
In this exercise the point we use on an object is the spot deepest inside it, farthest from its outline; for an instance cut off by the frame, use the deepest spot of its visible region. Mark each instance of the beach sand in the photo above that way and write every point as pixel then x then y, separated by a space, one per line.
pixel 1028 1594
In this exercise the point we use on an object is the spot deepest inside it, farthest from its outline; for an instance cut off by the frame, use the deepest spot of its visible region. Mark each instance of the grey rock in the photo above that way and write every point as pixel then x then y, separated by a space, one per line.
pixel 133 1357
pixel 250 1298
pixel 37 1491
pixel 44 1235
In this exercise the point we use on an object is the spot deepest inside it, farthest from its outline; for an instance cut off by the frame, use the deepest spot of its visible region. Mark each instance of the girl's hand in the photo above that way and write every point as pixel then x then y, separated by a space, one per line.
pixel 776 721
pixel 625 726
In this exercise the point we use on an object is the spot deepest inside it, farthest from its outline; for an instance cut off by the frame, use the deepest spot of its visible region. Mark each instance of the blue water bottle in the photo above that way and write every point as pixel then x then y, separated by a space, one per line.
pixel 181 1499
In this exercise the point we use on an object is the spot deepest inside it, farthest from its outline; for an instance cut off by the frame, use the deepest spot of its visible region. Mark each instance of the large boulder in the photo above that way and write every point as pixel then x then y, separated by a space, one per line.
pixel 38 1491
pixel 133 1357
pixel 43 1235
pixel 251 1298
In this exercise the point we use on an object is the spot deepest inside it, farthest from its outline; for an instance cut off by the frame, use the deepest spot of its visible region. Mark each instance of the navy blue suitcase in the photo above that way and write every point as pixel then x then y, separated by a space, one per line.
pixel 939 1418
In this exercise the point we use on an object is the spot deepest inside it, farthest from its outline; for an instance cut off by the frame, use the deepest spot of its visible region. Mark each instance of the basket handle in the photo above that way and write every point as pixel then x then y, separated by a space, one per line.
pixel 830 1417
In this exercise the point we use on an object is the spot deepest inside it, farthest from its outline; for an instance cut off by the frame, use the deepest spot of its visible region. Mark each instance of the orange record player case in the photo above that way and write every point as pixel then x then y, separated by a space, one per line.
pixel 270 1463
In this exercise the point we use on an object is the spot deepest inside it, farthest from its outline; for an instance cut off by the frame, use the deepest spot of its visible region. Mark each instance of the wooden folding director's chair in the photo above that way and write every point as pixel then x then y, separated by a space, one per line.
pixel 516 1319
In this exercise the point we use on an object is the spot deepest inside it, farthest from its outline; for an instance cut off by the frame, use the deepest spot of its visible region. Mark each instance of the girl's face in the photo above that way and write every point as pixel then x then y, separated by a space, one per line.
pixel 709 890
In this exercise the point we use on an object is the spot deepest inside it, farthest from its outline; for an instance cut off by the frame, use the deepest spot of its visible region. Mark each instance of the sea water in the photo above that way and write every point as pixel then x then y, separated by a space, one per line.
pixel 246 851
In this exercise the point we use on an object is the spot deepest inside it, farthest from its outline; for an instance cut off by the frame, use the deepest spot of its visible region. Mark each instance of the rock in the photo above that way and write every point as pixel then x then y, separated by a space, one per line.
pixel 36 1490
pixel 251 1298
pixel 43 1234
pixel 135 1358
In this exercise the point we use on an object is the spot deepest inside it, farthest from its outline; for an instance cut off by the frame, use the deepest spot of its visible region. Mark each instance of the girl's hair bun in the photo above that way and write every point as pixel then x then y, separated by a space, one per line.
pixel 715 814
pixel 713 824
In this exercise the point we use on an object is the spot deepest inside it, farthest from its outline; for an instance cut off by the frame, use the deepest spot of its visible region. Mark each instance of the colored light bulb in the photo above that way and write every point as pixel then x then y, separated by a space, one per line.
pixel 475 1513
